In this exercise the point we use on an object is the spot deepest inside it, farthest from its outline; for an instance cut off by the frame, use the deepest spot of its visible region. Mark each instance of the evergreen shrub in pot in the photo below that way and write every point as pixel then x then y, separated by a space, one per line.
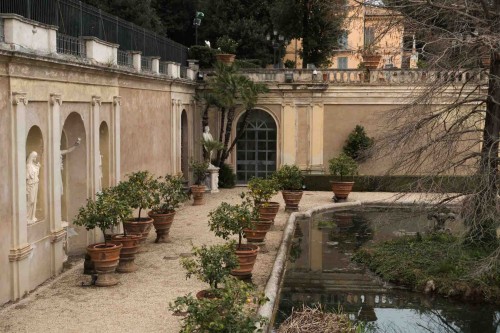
pixel 200 170
pixel 261 191
pixel 290 181
pixel 168 194
pixel 227 48
pixel 342 166
pixel 104 212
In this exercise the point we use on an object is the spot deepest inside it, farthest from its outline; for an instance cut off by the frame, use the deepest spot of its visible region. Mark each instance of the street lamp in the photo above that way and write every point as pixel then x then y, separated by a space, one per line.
pixel 197 23
pixel 278 41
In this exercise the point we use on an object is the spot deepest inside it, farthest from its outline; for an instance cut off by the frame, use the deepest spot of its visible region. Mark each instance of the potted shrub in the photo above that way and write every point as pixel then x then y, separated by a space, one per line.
pixel 290 180
pixel 227 47
pixel 103 213
pixel 342 166
pixel 137 191
pixel 168 194
pixel 228 312
pixel 211 265
pixel 227 220
pixel 200 174
pixel 261 191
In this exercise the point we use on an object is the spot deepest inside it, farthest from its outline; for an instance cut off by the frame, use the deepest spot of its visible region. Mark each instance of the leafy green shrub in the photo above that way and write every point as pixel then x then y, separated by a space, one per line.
pixel 261 190
pixel 227 312
pixel 106 211
pixel 211 264
pixel 199 171
pixel 227 178
pixel 245 64
pixel 289 178
pixel 204 54
pixel 343 166
pixel 168 194
pixel 358 144
pixel 137 190
pixel 227 44
pixel 289 63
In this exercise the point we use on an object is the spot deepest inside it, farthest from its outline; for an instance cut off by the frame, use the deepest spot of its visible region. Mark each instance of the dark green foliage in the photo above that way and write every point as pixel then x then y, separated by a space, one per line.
pixel 140 12
pixel 343 166
pixel 227 45
pixel 228 312
pixel 204 54
pixel 199 171
pixel 289 177
pixel 177 18
pixel 289 63
pixel 318 23
pixel 452 266
pixel 168 194
pixel 211 264
pixel 357 144
pixel 227 177
pixel 245 64
pixel 137 190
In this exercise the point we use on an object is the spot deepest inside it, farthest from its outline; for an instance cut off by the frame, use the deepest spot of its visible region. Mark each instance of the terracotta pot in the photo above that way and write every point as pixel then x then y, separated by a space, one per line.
pixel 247 254
pixel 105 258
pixel 225 58
pixel 198 192
pixel 205 294
pixel 130 248
pixel 162 224
pixel 292 199
pixel 341 189
pixel 259 231
pixel 343 220
pixel 268 210
pixel 141 227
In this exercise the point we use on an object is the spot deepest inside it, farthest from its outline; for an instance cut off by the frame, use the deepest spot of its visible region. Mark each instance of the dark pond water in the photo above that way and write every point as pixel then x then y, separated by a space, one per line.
pixel 322 273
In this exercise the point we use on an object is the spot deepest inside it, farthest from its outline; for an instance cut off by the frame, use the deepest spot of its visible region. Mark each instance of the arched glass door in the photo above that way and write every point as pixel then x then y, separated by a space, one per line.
pixel 256 150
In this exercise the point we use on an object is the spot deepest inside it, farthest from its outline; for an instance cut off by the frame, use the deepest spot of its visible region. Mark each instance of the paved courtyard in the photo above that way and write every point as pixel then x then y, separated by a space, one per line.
pixel 139 303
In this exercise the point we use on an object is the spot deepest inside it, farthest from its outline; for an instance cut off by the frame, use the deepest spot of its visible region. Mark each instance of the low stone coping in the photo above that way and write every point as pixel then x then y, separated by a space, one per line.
pixel 275 282
pixel 28 21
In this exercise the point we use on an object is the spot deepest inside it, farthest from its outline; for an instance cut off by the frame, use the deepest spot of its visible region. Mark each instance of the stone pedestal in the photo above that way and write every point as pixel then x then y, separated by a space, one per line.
pixel 213 179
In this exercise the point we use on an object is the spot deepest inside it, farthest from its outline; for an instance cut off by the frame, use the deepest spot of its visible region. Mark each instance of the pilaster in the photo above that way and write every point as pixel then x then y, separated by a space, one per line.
pixel 289 133
pixel 19 249
pixel 316 133
pixel 95 155
pixel 58 233
pixel 115 147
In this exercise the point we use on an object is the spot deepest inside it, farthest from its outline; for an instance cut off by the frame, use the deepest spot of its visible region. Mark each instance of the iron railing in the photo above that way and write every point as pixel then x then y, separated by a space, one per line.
pixel 146 64
pixel 2 36
pixel 77 19
pixel 125 59
pixel 71 45
pixel 163 67
pixel 183 72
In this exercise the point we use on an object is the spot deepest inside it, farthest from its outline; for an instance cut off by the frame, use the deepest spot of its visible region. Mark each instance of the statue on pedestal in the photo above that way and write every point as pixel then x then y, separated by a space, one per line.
pixel 32 182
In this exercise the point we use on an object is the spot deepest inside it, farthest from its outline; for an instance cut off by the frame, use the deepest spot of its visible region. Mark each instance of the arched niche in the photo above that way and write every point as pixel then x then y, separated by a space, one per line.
pixel 184 145
pixel 104 154
pixel 74 177
pixel 35 176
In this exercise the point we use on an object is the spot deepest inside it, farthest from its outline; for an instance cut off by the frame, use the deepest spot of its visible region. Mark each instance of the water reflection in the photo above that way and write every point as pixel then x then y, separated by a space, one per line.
pixel 322 272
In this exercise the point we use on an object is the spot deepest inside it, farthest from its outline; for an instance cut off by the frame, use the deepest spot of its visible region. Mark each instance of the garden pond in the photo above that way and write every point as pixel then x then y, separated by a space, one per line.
pixel 321 272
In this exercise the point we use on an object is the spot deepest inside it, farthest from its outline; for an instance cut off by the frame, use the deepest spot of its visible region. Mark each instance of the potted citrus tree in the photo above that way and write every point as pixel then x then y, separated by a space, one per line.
pixel 168 194
pixel 227 220
pixel 228 312
pixel 200 174
pixel 261 191
pixel 342 166
pixel 211 265
pixel 138 191
pixel 290 181
pixel 103 213
pixel 227 47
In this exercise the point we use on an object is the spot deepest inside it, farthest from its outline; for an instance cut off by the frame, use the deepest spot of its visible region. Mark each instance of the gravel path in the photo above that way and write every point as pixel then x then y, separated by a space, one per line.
pixel 139 303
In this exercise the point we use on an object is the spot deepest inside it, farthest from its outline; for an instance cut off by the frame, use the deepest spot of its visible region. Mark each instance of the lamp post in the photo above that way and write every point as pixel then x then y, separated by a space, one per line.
pixel 197 23
pixel 278 41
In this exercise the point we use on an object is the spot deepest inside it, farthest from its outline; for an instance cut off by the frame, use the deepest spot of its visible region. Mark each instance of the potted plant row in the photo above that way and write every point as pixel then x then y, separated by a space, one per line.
pixel 261 191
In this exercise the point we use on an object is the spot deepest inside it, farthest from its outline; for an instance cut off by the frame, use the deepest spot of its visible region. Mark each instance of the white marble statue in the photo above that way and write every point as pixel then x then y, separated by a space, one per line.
pixel 64 152
pixel 32 182
pixel 206 134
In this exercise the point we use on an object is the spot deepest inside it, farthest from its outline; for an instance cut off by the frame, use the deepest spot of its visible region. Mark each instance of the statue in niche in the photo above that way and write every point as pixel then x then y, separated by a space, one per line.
pixel 64 152
pixel 32 182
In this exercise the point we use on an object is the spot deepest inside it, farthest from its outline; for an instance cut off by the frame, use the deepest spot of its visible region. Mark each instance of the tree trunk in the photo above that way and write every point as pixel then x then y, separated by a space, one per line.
pixel 221 133
pixel 482 228
pixel 239 133
pixel 227 135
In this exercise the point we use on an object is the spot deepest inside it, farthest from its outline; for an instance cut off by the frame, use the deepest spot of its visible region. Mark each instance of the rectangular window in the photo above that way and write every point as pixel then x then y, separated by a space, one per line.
pixel 369 36
pixel 342 63
pixel 343 41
